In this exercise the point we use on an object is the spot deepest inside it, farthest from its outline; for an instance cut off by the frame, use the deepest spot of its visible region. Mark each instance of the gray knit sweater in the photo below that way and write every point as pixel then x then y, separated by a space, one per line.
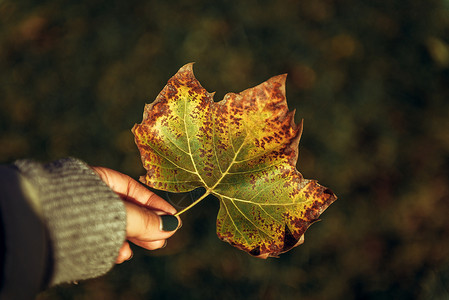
pixel 61 223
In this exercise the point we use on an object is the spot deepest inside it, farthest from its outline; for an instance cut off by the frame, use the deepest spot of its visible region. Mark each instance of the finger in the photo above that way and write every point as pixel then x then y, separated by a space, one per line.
pixel 132 190
pixel 125 253
pixel 146 225
pixel 150 245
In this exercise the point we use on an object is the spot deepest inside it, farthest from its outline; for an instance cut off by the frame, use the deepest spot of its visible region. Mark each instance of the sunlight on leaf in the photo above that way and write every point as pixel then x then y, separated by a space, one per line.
pixel 243 150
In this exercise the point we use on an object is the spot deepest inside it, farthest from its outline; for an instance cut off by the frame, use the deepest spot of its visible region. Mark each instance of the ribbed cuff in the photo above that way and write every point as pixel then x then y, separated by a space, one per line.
pixel 86 220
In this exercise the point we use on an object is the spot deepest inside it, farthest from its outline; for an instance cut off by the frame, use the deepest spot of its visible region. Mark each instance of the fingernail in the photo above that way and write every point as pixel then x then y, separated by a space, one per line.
pixel 165 245
pixel 131 256
pixel 169 222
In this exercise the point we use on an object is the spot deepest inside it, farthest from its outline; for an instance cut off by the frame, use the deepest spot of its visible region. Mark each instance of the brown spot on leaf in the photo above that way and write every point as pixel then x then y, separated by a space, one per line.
pixel 289 240
pixel 255 251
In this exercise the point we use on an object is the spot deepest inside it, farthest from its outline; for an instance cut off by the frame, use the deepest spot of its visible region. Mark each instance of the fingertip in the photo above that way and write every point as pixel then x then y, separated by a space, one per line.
pixel 155 202
pixel 125 253
pixel 131 256
pixel 149 225
pixel 153 245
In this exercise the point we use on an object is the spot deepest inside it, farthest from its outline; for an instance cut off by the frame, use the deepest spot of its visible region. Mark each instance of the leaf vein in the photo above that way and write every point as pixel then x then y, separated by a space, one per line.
pixel 176 145
pixel 255 170
pixel 232 220
pixel 215 146
pixel 246 217
pixel 188 143
pixel 169 160
pixel 256 156
pixel 174 181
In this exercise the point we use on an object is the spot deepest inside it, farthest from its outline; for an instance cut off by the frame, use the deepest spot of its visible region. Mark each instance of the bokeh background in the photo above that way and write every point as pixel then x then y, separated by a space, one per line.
pixel 369 78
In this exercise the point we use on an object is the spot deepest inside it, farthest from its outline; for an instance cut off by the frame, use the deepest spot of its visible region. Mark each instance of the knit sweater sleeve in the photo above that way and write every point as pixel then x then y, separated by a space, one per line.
pixel 84 219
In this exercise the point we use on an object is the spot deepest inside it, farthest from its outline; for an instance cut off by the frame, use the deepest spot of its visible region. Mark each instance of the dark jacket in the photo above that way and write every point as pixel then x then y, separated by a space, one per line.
pixel 59 223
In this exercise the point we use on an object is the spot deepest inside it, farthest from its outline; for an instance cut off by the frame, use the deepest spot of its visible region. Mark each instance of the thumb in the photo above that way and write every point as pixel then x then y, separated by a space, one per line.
pixel 148 225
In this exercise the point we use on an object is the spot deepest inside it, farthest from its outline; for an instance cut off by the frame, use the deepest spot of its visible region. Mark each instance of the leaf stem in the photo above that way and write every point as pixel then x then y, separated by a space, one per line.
pixel 207 193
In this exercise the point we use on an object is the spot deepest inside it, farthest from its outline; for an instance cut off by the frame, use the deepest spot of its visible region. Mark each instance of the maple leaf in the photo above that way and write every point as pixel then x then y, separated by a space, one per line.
pixel 243 150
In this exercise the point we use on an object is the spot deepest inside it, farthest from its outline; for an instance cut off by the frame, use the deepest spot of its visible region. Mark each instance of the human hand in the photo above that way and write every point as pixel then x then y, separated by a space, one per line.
pixel 150 220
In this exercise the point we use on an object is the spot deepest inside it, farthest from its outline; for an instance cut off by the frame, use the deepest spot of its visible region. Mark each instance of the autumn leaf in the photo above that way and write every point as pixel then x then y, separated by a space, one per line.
pixel 243 150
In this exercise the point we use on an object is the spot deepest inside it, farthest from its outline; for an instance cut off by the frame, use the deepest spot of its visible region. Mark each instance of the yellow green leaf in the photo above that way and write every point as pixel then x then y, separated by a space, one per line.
pixel 243 150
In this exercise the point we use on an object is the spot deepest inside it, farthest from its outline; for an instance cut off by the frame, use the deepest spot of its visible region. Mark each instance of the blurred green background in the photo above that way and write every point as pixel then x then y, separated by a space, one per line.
pixel 370 79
